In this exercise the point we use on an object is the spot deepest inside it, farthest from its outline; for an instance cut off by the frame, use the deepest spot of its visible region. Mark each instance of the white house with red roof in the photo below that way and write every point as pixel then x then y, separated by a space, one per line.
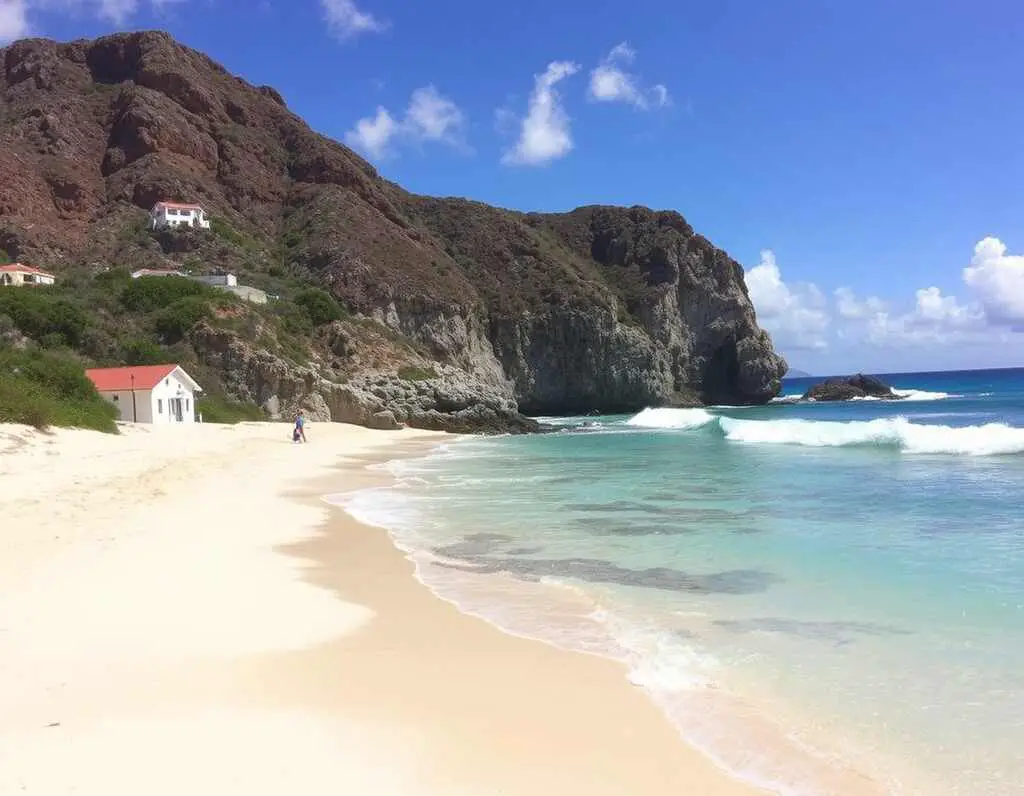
pixel 162 394
pixel 176 214
pixel 19 275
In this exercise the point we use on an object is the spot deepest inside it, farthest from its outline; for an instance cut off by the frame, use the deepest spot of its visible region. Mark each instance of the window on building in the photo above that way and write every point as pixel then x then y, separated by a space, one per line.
pixel 116 396
pixel 159 406
pixel 186 405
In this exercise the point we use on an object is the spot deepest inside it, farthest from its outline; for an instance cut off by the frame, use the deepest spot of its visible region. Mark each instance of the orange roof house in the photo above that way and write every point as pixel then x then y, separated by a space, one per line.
pixel 148 393
pixel 18 274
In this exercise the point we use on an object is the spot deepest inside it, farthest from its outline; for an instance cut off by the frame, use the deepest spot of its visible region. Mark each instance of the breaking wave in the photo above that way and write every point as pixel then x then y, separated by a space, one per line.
pixel 671 418
pixel 922 395
pixel 991 439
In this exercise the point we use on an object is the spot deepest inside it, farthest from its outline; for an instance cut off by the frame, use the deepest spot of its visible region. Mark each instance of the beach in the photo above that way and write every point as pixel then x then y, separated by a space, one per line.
pixel 180 611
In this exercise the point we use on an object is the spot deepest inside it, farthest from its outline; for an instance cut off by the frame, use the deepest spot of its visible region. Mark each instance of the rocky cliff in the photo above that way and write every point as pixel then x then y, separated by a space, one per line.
pixel 601 308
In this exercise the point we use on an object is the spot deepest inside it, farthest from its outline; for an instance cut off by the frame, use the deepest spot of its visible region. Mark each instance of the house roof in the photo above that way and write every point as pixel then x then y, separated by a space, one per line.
pixel 178 205
pixel 20 268
pixel 146 377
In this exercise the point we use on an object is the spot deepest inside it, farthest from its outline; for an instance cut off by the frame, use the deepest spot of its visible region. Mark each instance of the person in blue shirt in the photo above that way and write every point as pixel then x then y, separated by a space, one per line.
pixel 300 428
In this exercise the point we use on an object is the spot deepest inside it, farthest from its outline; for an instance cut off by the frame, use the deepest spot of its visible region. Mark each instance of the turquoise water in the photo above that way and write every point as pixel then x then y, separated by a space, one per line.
pixel 825 598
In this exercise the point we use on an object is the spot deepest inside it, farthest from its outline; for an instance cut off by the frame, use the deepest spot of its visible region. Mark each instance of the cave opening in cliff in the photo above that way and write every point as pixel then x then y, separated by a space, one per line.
pixel 721 375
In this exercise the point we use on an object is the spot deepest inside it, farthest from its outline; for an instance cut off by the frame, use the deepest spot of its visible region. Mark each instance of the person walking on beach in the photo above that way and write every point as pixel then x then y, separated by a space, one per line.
pixel 300 428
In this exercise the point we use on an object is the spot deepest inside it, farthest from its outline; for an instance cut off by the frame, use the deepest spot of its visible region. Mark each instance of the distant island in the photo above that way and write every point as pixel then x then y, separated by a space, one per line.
pixel 797 374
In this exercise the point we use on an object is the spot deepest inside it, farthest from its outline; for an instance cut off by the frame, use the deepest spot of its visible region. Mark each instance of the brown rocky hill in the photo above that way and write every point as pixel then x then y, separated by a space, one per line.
pixel 601 308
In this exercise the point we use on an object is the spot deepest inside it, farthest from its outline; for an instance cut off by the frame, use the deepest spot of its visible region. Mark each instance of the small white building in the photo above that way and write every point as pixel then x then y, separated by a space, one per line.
pixel 19 275
pixel 218 280
pixel 173 214
pixel 156 272
pixel 229 282
pixel 161 394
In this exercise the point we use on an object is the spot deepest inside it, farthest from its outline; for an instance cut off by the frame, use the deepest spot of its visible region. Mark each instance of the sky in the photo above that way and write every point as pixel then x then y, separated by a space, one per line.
pixel 863 161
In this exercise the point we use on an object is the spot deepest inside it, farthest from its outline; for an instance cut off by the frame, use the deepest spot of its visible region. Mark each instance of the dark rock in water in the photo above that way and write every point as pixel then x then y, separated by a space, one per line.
pixel 846 389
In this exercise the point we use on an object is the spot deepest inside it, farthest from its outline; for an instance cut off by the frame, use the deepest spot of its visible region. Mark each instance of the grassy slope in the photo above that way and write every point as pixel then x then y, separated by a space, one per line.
pixel 111 319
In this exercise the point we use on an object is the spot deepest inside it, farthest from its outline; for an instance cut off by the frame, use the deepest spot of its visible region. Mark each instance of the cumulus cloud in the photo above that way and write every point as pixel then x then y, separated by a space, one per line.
pixel 373 134
pixel 345 20
pixel 998 281
pixel 994 308
pixel 13 20
pixel 934 319
pixel 544 133
pixel 430 117
pixel 610 81
pixel 852 308
pixel 796 315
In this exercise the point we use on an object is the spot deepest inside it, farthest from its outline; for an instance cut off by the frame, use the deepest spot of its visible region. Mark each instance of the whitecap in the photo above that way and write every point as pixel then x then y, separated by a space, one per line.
pixel 671 418
pixel 990 439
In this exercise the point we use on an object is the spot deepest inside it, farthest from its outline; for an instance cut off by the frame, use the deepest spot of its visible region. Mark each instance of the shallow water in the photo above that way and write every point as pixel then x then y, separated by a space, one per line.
pixel 826 598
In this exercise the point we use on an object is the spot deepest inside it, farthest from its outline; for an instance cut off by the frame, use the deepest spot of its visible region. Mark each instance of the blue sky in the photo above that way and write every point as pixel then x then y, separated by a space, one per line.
pixel 864 148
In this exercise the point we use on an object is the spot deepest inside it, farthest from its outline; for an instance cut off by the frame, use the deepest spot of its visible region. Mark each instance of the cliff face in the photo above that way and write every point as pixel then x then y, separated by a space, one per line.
pixel 600 308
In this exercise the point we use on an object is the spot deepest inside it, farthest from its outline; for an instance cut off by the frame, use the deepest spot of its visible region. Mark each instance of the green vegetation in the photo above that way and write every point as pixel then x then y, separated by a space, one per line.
pixel 411 373
pixel 54 322
pixel 217 409
pixel 174 321
pixel 319 306
pixel 232 236
pixel 153 293
pixel 43 389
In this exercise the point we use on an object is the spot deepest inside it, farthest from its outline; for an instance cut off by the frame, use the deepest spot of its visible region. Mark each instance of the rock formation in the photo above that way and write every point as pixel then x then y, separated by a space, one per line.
pixel 601 308
pixel 849 388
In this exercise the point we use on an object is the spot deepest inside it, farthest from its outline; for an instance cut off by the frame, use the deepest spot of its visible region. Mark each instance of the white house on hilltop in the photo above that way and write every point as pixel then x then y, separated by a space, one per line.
pixel 218 280
pixel 19 275
pixel 173 214
pixel 229 282
pixel 163 394
pixel 156 272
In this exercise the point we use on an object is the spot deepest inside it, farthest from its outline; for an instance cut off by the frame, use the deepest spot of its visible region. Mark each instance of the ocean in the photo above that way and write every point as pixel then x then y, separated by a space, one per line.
pixel 825 598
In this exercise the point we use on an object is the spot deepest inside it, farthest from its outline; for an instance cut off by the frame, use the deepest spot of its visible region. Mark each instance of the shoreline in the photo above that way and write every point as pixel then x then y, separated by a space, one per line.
pixel 194 613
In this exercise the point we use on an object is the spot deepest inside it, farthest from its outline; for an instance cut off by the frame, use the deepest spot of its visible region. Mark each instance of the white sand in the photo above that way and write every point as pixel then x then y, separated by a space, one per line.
pixel 124 560
pixel 180 613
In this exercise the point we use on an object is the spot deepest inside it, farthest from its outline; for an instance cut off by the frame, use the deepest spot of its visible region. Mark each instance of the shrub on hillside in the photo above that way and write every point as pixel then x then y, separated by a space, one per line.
pixel 149 293
pixel 42 389
pixel 217 409
pixel 44 316
pixel 142 352
pixel 413 373
pixel 319 306
pixel 175 321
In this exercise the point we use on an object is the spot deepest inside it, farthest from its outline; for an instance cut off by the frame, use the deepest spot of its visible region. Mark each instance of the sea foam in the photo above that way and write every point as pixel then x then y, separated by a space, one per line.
pixel 990 439
pixel 671 418
pixel 922 395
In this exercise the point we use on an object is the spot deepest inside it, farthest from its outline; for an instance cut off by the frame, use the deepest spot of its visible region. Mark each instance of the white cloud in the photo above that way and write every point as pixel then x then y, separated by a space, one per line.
pixel 544 133
pixel 611 82
pixel 15 14
pixel 796 316
pixel 13 20
pixel 119 11
pixel 345 20
pixel 432 116
pixel 998 281
pixel 934 319
pixel 373 134
pixel 429 117
pixel 852 308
